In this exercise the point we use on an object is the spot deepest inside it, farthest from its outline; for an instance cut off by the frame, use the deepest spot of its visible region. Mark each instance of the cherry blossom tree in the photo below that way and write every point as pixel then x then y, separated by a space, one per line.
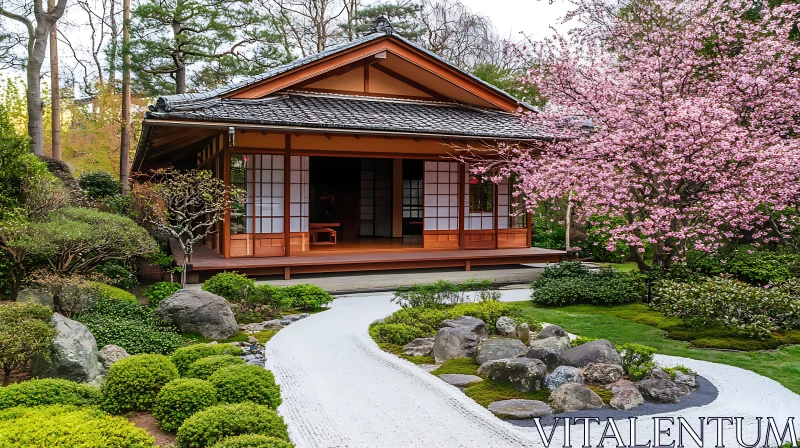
pixel 679 116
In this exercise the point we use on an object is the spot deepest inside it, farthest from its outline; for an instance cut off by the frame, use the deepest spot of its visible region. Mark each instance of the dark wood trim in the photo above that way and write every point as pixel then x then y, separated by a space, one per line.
pixel 287 191
pixel 366 62
pixel 462 175
pixel 529 228
pixel 370 94
pixel 226 174
pixel 366 79
pixel 412 83
pixel 496 213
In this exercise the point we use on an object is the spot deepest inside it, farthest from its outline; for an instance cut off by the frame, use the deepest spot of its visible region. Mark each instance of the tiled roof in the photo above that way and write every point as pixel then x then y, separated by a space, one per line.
pixel 332 111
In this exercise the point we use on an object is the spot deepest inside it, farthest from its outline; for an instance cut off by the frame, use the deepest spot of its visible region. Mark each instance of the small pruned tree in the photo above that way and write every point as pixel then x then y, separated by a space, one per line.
pixel 25 331
pixel 184 205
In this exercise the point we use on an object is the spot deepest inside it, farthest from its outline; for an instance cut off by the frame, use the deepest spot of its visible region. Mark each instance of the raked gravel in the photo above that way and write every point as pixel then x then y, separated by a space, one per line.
pixel 340 390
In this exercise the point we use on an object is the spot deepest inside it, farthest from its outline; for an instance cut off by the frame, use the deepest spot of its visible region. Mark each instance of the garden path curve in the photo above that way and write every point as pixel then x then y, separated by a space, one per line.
pixel 340 390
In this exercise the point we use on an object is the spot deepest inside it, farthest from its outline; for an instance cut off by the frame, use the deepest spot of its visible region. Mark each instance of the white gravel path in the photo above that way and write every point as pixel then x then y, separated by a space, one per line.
pixel 340 390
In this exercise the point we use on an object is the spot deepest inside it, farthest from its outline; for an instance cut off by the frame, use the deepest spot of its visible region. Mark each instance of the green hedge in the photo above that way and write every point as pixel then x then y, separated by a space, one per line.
pixel 443 293
pixel 133 383
pixel 185 356
pixel 307 297
pixel 233 286
pixel 211 425
pixel 59 426
pixel 253 441
pixel 256 384
pixel 39 392
pixel 204 367
pixel 180 399
pixel 571 282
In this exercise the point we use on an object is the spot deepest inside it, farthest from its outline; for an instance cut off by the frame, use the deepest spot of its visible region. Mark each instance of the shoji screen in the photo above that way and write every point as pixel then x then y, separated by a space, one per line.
pixel 441 196
pixel 376 197
pixel 298 196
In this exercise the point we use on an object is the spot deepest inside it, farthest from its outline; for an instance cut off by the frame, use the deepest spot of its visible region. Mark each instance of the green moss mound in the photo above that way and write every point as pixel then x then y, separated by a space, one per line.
pixel 253 441
pixel 47 392
pixel 180 399
pixel 216 423
pixel 236 384
pixel 204 367
pixel 133 383
pixel 185 356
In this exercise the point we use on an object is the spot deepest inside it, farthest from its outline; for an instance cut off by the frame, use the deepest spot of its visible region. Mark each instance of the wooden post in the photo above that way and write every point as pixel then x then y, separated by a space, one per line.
pixel 496 212
pixel 467 265
pixel 226 177
pixel 287 190
pixel 287 273
pixel 462 179
pixel 397 198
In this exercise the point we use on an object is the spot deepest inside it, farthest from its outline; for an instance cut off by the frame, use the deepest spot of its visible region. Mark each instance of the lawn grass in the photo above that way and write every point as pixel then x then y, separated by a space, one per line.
pixel 624 267
pixel 637 323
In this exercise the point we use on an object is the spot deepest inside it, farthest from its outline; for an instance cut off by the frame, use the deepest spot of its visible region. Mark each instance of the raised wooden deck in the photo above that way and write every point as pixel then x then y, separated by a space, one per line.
pixel 206 262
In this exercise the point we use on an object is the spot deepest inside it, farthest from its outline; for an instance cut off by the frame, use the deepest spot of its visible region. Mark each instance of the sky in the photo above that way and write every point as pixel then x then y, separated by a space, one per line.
pixel 532 17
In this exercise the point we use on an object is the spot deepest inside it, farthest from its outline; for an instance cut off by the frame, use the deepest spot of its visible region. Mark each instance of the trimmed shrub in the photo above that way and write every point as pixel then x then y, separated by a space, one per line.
pixel 234 287
pixel 103 291
pixel 185 356
pixel 159 291
pixel 253 441
pixel 40 392
pixel 571 282
pixel 133 383
pixel 213 424
pixel 180 399
pixel 235 384
pixel 268 300
pixel 443 293
pixel 59 426
pixel 307 297
pixel 99 184
pixel 747 310
pixel 204 367
pixel 755 265
pixel 25 331
pixel 637 360
pixel 399 334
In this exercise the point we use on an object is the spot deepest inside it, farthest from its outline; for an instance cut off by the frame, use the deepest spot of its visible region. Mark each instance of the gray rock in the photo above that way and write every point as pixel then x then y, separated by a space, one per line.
pixel 687 380
pixel 35 296
pixel 419 347
pixel 73 354
pixel 468 323
pixel 252 340
pixel 492 349
pixel 552 331
pixel 256 362
pixel 552 343
pixel 599 351
pixel 112 353
pixel 198 311
pixel 274 324
pixel 517 409
pixel 574 397
pixel 304 315
pixel 626 398
pixel 524 374
pixel 459 380
pixel 506 326
pixel 453 343
pixel 285 322
pixel 524 332
pixel 293 317
pixel 662 391
pixel 599 373
pixel 483 370
pixel 563 375
pixel 551 358
pixel 619 385
pixel 428 367
pixel 660 375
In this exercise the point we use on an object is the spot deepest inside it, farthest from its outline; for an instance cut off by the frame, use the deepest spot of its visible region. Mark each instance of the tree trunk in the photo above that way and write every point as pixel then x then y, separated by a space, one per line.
pixel 16 284
pixel 125 143
pixel 55 91
pixel 180 78
pixel 34 98
pixel 569 221
pixel 6 376
pixel 112 61
pixel 183 274
pixel 637 257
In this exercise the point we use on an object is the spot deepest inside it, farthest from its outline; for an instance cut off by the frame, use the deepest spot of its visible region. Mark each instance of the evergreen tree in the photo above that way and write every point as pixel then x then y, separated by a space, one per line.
pixel 404 17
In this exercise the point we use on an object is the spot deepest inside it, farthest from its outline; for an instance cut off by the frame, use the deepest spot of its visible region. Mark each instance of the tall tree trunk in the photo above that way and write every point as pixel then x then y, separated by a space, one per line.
pixel 6 376
pixel 125 144
pixel 637 257
pixel 55 91
pixel 180 77
pixel 112 60
pixel 34 98
pixel 568 220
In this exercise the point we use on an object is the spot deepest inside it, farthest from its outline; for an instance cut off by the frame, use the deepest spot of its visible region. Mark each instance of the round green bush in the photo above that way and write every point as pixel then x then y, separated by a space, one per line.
pixel 180 399
pixel 99 184
pixel 204 367
pixel 185 356
pixel 213 424
pixel 400 334
pixel 101 290
pixel 236 384
pixel 253 441
pixel 48 391
pixel 159 291
pixel 133 383
pixel 59 426
pixel 234 287
pixel 307 297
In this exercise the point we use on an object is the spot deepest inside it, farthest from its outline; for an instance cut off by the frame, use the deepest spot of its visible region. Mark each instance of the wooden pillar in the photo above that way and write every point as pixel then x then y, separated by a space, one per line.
pixel 287 189
pixel 496 212
pixel 287 273
pixel 397 198
pixel 226 176
pixel 462 179
pixel 467 265
pixel 529 234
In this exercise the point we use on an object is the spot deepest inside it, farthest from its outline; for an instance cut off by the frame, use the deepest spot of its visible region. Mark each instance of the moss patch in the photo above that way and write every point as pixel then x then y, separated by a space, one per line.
pixel 397 350
pixel 265 335
pixel 463 366
pixel 602 392
pixel 194 338
pixel 489 391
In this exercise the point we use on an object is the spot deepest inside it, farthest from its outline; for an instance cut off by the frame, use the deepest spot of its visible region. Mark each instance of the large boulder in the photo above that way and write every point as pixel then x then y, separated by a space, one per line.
pixel 660 374
pixel 662 391
pixel 550 331
pixel 552 343
pixel 574 397
pixel 524 374
pixel 274 324
pixel 491 349
pixel 419 347
pixel 599 373
pixel 599 351
pixel 112 353
pixel 626 398
pixel 563 375
pixel 483 370
pixel 35 296
pixel 517 409
pixel 524 332
pixel 506 327
pixel 198 311
pixel 453 343
pixel 468 323
pixel 73 354
pixel 550 357
pixel 687 380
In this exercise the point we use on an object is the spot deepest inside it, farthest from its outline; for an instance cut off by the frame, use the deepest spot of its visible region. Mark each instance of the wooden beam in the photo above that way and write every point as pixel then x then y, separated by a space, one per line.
pixel 412 83
pixel 287 189
pixel 397 198
pixel 462 176
pixel 226 173
pixel 496 212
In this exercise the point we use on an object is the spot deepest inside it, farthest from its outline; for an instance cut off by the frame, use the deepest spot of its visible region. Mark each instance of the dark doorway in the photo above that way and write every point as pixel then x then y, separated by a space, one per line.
pixel 334 190
pixel 412 197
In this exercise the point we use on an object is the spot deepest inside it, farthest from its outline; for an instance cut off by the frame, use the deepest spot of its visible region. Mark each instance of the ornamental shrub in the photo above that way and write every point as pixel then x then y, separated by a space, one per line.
pixel 59 426
pixel 748 310
pixel 307 297
pixel 118 275
pixel 159 291
pixel 268 300
pixel 216 423
pixel 399 334
pixel 103 291
pixel 234 287
pixel 253 441
pixel 637 360
pixel 235 384
pixel 133 383
pixel 40 392
pixel 204 367
pixel 25 331
pixel 99 184
pixel 443 293
pixel 180 399
pixel 571 282
pixel 131 326
pixel 750 264
pixel 185 356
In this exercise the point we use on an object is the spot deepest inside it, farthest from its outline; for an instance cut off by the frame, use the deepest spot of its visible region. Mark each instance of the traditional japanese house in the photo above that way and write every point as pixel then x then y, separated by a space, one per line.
pixel 346 157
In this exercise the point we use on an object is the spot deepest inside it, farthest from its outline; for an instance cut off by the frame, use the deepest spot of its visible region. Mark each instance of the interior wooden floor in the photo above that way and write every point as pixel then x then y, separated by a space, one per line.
pixel 371 244
pixel 205 262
